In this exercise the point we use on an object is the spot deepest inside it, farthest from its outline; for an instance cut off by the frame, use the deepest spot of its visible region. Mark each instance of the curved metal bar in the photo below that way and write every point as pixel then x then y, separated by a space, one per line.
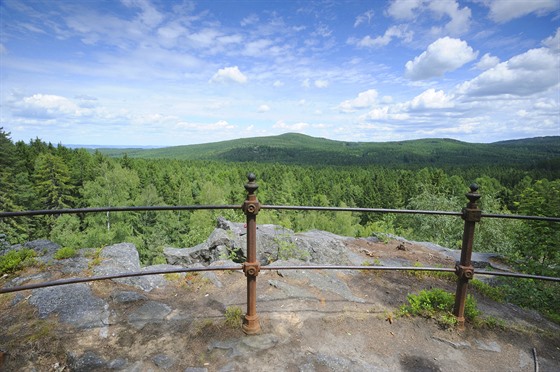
pixel 275 207
pixel 116 209
pixel 350 209
pixel 407 268
pixel 118 276
pixel 521 217
pixel 270 268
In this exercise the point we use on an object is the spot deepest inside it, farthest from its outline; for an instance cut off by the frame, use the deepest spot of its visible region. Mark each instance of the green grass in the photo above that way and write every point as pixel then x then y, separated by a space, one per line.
pixel 234 316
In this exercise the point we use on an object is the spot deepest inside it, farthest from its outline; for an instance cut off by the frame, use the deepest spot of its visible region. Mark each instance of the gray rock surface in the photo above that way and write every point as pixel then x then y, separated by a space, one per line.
pixel 229 240
pixel 89 361
pixel 150 312
pixel 123 258
pixel 73 303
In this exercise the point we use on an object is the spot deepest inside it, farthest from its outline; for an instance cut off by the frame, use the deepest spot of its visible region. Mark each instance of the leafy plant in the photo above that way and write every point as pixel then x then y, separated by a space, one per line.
pixel 16 260
pixel 438 304
pixel 65 252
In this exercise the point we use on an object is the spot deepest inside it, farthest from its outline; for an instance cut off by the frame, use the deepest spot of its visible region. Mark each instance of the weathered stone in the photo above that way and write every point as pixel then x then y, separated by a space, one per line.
pixel 127 297
pixel 163 361
pixel 89 361
pixel 74 304
pixel 150 312
pixel 322 280
pixel 123 258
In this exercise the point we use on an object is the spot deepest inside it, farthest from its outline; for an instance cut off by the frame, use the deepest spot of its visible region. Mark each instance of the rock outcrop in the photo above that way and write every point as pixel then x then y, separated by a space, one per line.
pixel 322 319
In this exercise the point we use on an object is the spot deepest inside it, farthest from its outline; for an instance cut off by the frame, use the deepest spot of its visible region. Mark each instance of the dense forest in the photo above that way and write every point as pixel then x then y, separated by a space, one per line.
pixel 37 175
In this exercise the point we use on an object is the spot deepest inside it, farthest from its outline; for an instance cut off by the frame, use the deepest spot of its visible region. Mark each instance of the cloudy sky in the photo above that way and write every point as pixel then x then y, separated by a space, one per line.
pixel 162 72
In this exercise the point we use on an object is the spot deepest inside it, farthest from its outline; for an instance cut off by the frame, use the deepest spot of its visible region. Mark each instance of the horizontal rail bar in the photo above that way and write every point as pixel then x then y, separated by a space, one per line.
pixel 117 209
pixel 270 268
pixel 275 207
pixel 118 276
pixel 351 209
pixel 406 268
pixel 521 217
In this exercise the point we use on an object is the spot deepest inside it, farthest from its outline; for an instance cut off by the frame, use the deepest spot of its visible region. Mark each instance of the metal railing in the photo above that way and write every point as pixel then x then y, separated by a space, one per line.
pixel 464 269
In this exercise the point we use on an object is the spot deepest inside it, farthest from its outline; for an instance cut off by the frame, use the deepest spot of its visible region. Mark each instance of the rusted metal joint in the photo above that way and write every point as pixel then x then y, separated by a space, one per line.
pixel 464 272
pixel 251 208
pixel 471 215
pixel 251 268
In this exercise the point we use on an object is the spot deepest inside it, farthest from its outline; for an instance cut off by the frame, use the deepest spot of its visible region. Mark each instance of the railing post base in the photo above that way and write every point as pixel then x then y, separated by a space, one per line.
pixel 251 325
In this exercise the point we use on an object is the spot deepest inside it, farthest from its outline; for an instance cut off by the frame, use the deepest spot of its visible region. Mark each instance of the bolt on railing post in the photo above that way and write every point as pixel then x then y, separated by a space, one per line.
pixel 251 267
pixel 464 269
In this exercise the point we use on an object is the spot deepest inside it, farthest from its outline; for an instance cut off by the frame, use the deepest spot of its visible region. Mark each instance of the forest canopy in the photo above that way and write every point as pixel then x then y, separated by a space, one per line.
pixel 37 175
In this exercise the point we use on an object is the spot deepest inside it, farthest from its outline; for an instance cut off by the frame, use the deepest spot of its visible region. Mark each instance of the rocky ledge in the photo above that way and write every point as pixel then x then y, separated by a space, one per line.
pixel 177 322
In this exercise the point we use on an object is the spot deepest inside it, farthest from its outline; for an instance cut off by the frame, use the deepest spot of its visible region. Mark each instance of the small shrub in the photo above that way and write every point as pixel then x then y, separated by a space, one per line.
pixel 438 304
pixel 234 316
pixel 66 252
pixel 16 260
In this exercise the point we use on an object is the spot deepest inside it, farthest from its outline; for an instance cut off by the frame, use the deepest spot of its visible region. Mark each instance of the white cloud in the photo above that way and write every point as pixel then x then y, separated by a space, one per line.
pixel 443 55
pixel 404 9
pixel 263 108
pixel 553 42
pixel 257 48
pixel 277 84
pixel 529 73
pixel 392 32
pixel 431 99
pixel 487 61
pixel 363 100
pixel 3 49
pixel 229 74
pixel 364 18
pixel 250 20
pixel 280 124
pixel 385 113
pixel 320 83
pixel 201 127
pixel 505 10
pixel 460 18
pixel 149 15
pixel 48 105
pixel 306 83
pixel 412 9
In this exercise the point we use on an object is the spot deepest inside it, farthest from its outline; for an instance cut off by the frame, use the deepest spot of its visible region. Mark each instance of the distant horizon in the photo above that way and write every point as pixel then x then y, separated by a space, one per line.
pixel 125 146
pixel 172 73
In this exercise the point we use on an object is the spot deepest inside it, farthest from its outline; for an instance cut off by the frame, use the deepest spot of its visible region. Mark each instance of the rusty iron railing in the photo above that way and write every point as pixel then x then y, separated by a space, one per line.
pixel 464 270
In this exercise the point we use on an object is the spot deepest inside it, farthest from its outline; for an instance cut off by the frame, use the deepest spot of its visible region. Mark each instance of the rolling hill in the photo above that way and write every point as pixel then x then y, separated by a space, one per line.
pixel 293 148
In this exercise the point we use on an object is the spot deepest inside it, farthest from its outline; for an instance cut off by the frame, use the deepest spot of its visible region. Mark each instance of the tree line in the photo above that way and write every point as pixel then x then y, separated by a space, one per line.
pixel 37 175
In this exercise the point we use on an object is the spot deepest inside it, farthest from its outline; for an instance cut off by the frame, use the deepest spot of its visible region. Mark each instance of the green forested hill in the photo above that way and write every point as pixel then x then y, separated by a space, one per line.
pixel 295 148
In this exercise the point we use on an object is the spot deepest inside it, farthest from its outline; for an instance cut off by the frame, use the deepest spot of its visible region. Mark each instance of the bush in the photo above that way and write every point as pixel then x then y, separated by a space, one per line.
pixel 438 304
pixel 66 252
pixel 16 260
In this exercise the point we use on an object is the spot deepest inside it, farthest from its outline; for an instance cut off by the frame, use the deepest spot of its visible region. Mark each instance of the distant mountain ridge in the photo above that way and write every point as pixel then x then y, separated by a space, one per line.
pixel 294 148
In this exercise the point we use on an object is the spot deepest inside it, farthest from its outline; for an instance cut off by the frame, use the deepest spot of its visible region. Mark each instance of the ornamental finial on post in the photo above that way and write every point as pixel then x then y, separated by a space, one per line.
pixel 472 212
pixel 251 186
pixel 251 204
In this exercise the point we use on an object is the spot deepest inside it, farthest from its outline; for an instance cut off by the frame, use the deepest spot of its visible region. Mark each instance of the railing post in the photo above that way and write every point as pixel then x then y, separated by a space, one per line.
pixel 251 267
pixel 464 269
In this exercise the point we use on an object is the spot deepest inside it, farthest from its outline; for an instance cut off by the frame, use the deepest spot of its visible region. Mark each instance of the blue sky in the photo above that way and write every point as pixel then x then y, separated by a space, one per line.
pixel 161 72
